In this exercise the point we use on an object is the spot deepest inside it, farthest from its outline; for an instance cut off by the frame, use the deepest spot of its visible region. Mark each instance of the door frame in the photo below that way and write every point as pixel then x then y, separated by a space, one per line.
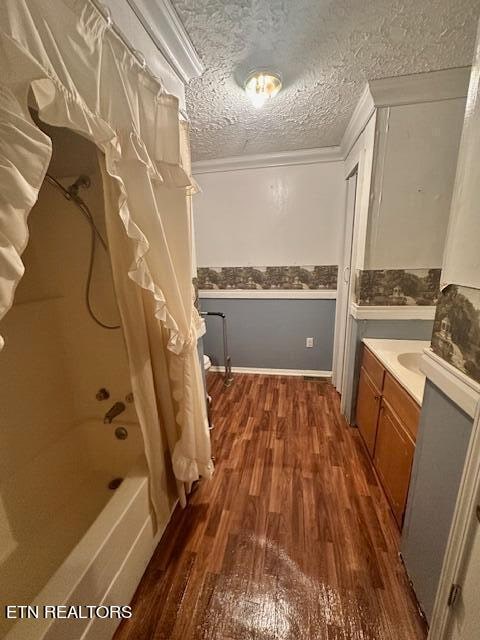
pixel 343 301
pixel 462 530
pixel 360 159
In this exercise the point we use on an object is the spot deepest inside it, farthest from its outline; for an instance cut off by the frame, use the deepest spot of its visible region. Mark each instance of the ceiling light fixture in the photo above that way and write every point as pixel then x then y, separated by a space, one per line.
pixel 262 85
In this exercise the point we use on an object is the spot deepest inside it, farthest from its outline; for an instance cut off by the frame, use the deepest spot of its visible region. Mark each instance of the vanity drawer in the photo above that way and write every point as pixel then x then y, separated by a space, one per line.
pixel 373 367
pixel 402 403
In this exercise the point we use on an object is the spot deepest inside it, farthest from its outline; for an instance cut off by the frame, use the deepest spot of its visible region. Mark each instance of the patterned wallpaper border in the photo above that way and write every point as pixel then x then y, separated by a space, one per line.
pixel 397 287
pixel 196 299
pixel 267 278
pixel 456 329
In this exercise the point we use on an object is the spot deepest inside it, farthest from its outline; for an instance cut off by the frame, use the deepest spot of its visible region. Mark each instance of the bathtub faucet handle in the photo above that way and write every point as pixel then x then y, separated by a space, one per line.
pixel 114 411
pixel 102 394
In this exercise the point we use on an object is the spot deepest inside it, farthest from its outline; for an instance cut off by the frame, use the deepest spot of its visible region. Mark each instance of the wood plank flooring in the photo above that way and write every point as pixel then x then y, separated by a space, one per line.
pixel 292 539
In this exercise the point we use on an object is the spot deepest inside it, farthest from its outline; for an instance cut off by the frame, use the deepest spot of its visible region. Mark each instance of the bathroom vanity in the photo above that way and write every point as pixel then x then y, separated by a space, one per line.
pixel 389 398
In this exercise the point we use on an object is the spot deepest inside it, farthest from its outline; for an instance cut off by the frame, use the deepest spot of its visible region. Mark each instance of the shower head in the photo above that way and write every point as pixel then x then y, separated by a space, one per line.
pixel 82 182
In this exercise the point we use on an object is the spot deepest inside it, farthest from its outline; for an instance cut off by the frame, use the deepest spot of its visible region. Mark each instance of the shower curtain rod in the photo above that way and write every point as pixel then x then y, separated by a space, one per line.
pixel 138 55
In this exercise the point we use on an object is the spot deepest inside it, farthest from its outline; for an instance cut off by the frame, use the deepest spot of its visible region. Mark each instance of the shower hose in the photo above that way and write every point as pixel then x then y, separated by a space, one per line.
pixel 72 195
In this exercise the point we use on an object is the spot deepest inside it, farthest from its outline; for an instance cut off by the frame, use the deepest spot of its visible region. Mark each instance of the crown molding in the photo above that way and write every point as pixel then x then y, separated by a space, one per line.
pixel 359 120
pixel 161 22
pixel 431 86
pixel 262 160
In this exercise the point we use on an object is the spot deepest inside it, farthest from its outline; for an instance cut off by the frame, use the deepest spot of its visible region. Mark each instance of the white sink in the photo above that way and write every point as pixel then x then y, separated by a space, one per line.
pixel 411 361
pixel 402 359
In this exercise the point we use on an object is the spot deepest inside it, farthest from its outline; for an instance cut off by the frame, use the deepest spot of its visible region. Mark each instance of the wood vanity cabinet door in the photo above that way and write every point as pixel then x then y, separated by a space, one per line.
pixel 404 406
pixel 394 452
pixel 373 367
pixel 368 408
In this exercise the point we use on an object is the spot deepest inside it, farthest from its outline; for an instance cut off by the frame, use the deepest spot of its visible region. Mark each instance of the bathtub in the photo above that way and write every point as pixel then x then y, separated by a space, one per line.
pixel 69 537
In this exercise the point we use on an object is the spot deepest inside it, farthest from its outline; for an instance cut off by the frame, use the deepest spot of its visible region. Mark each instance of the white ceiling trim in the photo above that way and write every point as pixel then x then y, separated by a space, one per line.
pixel 262 160
pixel 357 123
pixel 127 26
pixel 161 22
pixel 432 86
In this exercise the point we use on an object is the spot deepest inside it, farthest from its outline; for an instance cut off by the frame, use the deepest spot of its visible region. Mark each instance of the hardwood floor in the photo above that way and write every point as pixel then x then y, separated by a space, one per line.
pixel 291 540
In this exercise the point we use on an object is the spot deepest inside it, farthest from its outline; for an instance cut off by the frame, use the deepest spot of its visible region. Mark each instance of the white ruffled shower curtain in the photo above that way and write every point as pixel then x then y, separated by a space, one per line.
pixel 82 77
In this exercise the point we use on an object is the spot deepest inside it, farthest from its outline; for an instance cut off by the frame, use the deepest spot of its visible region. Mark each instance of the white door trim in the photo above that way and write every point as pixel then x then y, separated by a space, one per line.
pixel 361 155
pixel 343 283
pixel 463 526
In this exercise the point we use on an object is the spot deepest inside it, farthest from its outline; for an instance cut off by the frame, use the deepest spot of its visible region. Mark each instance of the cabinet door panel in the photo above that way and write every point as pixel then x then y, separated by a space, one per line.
pixel 368 407
pixel 393 460
pixel 373 367
pixel 402 403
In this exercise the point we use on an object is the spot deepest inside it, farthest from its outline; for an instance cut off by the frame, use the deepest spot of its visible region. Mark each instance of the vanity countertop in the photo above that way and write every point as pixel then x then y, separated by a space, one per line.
pixel 402 359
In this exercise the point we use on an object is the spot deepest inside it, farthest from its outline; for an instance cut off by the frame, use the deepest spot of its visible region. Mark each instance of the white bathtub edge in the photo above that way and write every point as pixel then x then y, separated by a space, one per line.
pixel 115 511
pixel 91 546
pixel 123 587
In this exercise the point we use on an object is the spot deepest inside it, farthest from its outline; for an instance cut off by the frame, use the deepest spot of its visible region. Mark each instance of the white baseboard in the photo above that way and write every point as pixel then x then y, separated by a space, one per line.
pixel 276 372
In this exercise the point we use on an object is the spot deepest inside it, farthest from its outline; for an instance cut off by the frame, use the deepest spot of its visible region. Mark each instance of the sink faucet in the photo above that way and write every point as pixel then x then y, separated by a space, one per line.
pixel 113 412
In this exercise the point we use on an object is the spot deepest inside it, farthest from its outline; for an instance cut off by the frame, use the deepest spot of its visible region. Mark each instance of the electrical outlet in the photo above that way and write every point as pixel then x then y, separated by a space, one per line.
pixel 309 342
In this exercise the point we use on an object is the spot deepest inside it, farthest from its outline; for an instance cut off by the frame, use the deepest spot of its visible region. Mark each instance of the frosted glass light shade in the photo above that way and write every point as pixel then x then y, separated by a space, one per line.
pixel 262 85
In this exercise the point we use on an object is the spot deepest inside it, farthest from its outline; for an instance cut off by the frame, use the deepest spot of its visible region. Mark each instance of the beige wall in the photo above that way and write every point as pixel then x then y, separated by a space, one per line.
pixel 55 358
pixel 270 216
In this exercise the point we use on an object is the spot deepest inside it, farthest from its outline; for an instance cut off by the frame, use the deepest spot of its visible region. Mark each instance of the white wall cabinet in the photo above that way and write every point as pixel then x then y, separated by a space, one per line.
pixel 409 167
pixel 416 149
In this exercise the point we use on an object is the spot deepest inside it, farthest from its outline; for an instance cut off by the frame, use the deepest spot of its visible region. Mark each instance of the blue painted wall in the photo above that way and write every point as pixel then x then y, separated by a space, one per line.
pixel 442 441
pixel 271 333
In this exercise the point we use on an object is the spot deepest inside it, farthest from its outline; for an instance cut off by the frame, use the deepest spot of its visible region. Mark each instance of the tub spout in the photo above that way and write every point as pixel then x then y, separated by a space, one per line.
pixel 113 412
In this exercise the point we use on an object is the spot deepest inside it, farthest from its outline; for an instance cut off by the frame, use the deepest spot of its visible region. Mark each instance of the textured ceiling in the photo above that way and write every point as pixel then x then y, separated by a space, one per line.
pixel 325 51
